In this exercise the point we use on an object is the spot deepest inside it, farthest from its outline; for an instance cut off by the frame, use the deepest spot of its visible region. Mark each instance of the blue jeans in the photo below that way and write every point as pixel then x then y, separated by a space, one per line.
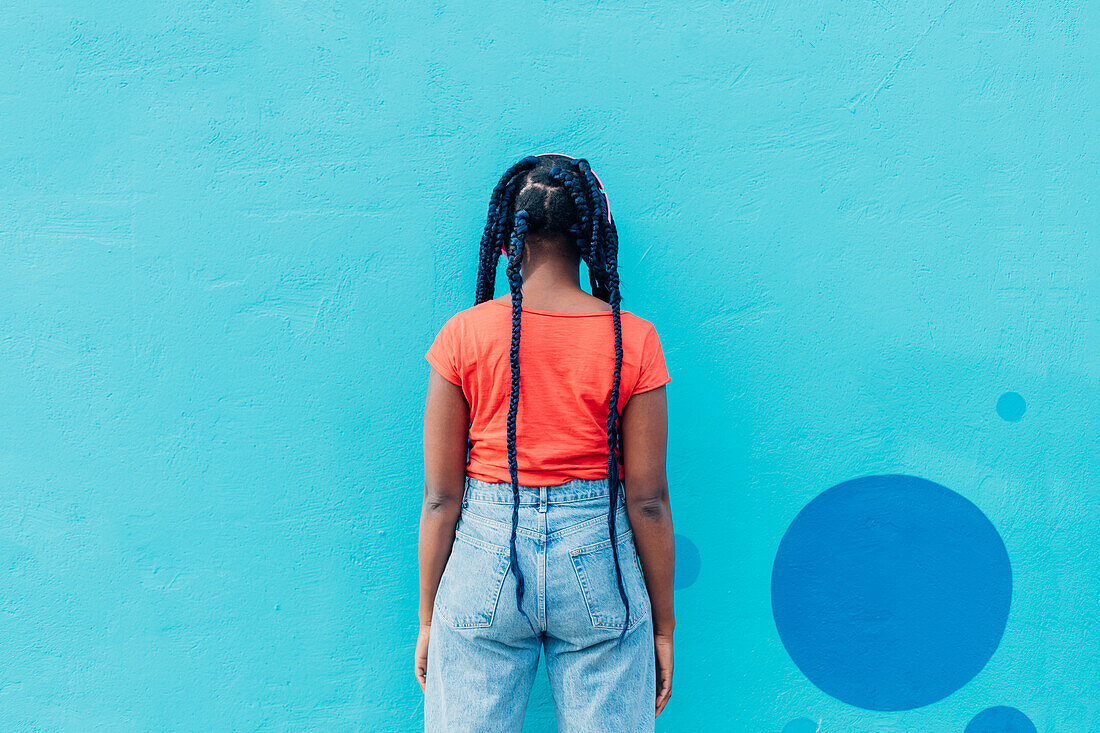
pixel 483 653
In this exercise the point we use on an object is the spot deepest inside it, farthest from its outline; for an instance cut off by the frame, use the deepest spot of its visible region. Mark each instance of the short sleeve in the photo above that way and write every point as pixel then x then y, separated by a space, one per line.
pixel 654 371
pixel 443 354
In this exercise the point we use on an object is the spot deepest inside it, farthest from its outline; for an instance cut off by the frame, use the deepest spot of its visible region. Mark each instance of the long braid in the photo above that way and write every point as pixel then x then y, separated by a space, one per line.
pixel 515 281
pixel 614 427
pixel 600 249
pixel 487 254
pixel 498 227
pixel 607 246
pixel 500 204
pixel 598 225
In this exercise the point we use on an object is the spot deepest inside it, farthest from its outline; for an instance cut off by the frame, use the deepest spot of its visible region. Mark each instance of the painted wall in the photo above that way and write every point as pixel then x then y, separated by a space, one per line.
pixel 231 230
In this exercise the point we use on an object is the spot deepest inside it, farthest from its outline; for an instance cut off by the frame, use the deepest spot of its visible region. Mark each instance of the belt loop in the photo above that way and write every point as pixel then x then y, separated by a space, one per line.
pixel 542 498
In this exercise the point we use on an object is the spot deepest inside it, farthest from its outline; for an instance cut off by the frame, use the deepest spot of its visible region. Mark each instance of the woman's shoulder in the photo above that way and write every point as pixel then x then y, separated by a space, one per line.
pixel 633 316
pixel 478 313
pixel 471 321
pixel 639 323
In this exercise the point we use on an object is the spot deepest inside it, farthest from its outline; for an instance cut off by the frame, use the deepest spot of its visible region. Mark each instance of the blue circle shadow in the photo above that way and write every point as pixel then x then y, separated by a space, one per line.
pixel 1011 406
pixel 688 563
pixel 800 725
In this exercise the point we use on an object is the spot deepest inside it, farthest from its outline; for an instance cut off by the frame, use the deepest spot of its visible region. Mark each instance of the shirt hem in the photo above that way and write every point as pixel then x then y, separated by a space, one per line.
pixel 544 479
pixel 640 390
pixel 442 369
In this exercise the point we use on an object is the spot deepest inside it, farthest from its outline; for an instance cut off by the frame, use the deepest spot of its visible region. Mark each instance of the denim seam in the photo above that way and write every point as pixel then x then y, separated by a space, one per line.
pixel 566 531
pixel 542 571
pixel 585 549
pixel 478 519
pixel 487 546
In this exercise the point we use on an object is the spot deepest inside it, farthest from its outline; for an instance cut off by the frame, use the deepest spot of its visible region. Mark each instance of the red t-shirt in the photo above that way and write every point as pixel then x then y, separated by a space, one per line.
pixel 567 366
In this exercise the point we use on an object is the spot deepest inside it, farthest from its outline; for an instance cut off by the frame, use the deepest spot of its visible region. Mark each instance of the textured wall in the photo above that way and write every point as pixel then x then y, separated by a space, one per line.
pixel 231 230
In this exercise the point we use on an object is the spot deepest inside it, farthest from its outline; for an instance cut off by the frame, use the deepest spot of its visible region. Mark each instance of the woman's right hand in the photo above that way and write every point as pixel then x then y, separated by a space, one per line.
pixel 662 648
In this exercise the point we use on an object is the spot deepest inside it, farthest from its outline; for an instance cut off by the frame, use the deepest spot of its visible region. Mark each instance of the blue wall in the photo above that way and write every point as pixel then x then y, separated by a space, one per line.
pixel 231 230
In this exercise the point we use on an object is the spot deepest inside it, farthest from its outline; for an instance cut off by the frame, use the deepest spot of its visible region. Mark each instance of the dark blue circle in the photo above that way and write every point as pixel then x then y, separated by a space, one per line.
pixel 890 592
pixel 801 725
pixel 1011 406
pixel 1001 719
pixel 688 563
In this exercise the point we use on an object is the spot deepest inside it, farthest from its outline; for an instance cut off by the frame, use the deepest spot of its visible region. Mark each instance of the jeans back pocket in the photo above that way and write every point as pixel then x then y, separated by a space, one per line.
pixel 594 565
pixel 471 582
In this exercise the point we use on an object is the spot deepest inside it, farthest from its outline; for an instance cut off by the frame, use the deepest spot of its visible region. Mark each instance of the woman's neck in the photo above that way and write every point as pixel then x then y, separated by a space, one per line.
pixel 552 282
pixel 550 279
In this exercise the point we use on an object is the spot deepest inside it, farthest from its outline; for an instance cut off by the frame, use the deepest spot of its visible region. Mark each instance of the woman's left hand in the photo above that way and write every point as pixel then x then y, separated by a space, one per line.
pixel 421 660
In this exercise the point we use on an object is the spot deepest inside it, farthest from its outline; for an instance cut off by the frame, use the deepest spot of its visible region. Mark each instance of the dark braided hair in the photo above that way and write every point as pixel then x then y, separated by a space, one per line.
pixel 555 194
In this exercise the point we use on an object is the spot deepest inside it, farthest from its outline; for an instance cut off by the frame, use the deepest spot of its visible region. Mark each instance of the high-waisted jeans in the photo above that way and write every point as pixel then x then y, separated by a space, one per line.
pixel 483 653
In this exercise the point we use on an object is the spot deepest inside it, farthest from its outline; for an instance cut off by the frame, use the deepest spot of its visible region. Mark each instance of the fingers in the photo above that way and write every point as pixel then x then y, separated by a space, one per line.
pixel 420 658
pixel 664 677
pixel 664 691
pixel 420 668
pixel 422 673
pixel 663 652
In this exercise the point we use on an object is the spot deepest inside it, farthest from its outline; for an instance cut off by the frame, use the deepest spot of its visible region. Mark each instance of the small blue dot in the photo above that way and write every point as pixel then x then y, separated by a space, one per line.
pixel 1001 719
pixel 801 725
pixel 687 563
pixel 890 592
pixel 1011 406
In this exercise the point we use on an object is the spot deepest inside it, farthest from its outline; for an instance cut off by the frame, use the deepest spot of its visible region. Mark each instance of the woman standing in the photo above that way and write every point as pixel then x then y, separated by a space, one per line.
pixel 546 522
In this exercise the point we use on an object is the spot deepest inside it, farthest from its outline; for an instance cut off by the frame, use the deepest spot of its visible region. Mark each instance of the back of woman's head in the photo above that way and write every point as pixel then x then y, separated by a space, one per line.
pixel 550 208
pixel 561 199
pixel 557 197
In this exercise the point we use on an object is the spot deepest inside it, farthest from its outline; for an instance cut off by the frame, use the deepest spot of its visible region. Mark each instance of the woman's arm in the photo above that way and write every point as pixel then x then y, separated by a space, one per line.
pixel 446 431
pixel 645 437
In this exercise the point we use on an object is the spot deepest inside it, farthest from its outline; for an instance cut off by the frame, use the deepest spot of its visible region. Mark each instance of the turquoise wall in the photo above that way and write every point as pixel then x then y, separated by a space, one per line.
pixel 231 230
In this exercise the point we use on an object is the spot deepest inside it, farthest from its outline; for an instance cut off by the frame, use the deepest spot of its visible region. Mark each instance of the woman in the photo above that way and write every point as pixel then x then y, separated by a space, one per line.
pixel 525 441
